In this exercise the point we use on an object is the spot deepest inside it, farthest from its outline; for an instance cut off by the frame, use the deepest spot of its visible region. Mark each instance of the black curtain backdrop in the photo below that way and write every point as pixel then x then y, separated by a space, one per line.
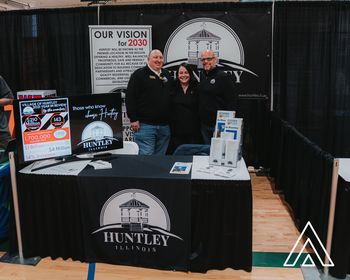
pixel 304 173
pixel 47 49
pixel 312 71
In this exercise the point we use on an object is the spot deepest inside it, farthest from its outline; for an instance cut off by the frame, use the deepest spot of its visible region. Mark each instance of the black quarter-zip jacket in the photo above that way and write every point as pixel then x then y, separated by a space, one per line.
pixel 148 96
pixel 216 92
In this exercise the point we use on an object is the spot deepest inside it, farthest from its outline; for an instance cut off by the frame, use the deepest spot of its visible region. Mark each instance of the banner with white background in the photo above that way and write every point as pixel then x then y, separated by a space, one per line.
pixel 116 51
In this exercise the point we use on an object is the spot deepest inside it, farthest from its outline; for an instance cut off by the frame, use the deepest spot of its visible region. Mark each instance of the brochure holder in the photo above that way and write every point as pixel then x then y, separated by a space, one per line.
pixel 224 152
pixel 216 151
pixel 231 153
pixel 226 145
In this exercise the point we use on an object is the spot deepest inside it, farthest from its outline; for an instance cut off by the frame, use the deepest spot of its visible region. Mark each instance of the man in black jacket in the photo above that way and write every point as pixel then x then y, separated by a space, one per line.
pixel 216 92
pixel 148 105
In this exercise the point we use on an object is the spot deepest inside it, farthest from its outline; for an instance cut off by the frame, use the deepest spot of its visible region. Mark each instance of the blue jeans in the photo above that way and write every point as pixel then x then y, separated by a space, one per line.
pixel 152 139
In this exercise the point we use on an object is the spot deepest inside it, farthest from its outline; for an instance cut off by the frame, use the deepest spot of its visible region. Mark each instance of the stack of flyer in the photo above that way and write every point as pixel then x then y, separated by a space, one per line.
pixel 226 145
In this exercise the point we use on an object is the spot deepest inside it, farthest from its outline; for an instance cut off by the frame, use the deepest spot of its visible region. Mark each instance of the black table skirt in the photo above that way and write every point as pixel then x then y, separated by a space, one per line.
pixel 221 225
pixel 221 220
pixel 51 223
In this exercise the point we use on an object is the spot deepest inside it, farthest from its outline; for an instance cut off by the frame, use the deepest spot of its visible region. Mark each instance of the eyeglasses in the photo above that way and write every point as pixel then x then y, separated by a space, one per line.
pixel 207 59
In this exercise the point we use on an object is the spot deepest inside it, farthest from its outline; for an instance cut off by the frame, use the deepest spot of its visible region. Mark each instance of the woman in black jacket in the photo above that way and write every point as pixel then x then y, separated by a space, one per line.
pixel 185 125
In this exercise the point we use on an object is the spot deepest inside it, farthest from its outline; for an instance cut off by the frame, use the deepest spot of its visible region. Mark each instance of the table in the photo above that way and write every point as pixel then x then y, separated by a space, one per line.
pixel 58 215
pixel 340 253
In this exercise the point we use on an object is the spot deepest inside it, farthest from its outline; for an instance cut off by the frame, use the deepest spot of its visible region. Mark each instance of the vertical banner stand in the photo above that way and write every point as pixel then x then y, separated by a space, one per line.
pixel 17 259
pixel 332 205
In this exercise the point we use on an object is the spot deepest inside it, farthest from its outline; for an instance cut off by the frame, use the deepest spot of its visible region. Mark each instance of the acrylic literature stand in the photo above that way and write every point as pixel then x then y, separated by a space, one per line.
pixel 226 144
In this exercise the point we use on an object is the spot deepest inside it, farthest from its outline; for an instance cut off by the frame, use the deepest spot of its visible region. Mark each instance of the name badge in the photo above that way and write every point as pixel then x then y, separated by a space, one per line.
pixel 164 79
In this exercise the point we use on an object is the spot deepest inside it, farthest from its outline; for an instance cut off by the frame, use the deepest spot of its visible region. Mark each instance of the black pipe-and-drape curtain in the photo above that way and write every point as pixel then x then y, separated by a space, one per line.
pixel 50 48
pixel 46 49
pixel 304 173
pixel 312 71
pixel 311 92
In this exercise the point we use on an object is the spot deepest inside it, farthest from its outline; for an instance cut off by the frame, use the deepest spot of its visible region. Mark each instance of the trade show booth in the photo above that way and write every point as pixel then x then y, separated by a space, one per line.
pixel 289 63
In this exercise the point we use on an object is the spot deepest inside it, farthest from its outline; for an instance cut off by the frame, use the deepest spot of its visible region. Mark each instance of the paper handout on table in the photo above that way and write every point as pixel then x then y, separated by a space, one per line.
pixel 55 167
pixel 226 172
pixel 209 169
pixel 100 164
pixel 181 168
pixel 221 171
pixel 202 170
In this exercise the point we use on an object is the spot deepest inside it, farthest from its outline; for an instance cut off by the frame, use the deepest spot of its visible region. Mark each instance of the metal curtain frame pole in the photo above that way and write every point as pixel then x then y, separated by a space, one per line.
pixel 271 59
pixel 98 14
pixel 15 205
pixel 14 258
pixel 332 205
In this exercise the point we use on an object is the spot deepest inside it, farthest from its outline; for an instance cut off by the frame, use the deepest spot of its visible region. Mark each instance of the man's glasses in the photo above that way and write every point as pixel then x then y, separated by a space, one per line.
pixel 207 59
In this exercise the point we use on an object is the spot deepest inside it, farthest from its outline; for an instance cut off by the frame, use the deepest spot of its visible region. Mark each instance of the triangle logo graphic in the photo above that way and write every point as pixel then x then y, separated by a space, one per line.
pixel 308 261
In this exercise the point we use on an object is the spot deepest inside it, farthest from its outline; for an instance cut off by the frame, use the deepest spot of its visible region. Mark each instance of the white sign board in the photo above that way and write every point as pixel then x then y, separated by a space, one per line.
pixel 116 51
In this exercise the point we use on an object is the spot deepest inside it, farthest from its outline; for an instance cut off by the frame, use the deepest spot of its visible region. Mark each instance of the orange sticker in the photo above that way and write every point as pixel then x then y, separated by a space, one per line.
pixel 34 137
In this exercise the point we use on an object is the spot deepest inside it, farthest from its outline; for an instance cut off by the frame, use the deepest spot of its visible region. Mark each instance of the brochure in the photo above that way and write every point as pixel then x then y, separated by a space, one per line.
pixel 181 168
pixel 221 118
pixel 233 127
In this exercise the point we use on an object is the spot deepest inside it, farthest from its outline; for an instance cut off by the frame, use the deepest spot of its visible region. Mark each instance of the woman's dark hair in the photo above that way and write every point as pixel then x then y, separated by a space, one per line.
pixel 193 80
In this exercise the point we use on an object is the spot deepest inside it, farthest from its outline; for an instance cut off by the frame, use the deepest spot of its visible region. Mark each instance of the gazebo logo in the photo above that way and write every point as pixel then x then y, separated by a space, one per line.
pixel 202 40
pixel 188 41
pixel 308 261
pixel 134 214
pixel 96 136
pixel 135 220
